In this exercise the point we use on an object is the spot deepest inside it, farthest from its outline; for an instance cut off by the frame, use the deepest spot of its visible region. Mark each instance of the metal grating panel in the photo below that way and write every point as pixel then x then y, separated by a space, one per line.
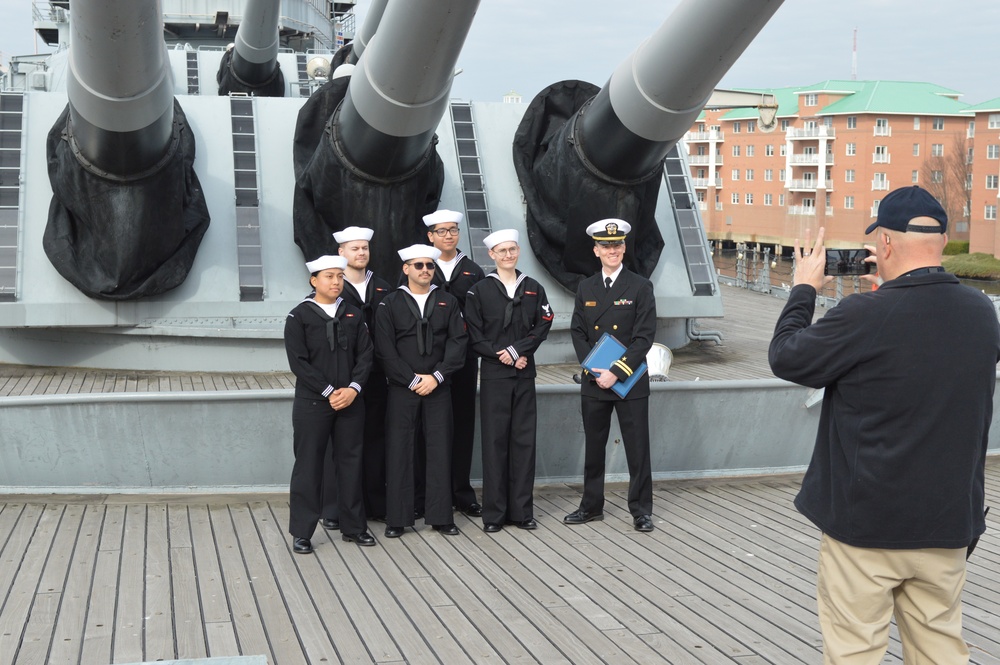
pixel 697 258
pixel 11 120
pixel 303 73
pixel 193 86
pixel 477 212
pixel 245 179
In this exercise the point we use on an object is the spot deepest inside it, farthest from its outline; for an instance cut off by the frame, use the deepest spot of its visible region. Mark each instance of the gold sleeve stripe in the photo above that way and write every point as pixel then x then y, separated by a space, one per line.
pixel 623 367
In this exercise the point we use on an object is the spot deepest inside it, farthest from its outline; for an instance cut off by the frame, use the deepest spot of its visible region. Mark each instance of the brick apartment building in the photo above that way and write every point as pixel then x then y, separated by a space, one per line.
pixel 840 146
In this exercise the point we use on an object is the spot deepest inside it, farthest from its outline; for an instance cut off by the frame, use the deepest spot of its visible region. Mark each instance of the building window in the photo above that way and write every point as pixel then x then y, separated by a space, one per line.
pixel 735 198
pixel 736 151
pixel 880 182
pixel 751 126
pixel 768 199
pixel 916 122
pixel 937 176
pixel 852 149
pixel 736 127
pixel 849 202
pixel 993 152
pixel 852 122
pixel 875 208
pixel 785 124
pixel 938 123
pixel 781 199
pixel 736 174
pixel 971 132
pixel 882 127
pixel 749 199
pixel 750 150
pixel 991 181
pixel 768 175
pixel 749 174
pixel 915 176
pixel 849 175
pixel 937 150
pixel 991 212
pixel 781 175
pixel 916 149
pixel 783 150
pixel 811 99
pixel 968 184
pixel 769 150
pixel 968 156
pixel 881 154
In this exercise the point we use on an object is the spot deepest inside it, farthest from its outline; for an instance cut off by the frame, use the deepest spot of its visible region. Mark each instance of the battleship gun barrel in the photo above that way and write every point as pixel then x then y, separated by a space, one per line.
pixel 119 85
pixel 374 16
pixel 656 94
pixel 399 90
pixel 255 53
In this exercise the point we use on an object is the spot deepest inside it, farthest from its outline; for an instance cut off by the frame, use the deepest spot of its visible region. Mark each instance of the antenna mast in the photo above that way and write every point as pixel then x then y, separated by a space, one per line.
pixel 854 57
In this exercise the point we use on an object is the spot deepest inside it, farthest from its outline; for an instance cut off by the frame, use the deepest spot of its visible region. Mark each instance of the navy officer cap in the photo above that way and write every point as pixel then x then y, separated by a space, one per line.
pixel 906 203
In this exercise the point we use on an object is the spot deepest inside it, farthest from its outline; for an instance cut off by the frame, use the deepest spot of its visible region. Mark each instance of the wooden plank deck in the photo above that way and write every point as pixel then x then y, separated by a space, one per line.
pixel 746 329
pixel 727 577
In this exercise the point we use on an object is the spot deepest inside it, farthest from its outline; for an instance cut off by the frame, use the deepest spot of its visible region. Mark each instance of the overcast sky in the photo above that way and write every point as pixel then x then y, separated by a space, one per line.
pixel 525 45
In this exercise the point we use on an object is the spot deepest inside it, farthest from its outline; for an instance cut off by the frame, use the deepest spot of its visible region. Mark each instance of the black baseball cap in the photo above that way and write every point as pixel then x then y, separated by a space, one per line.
pixel 903 204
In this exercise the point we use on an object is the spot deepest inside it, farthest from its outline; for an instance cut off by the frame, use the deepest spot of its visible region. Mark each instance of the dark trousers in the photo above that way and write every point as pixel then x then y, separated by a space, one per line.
pixel 633 418
pixel 432 413
pixel 373 458
pixel 316 427
pixel 508 417
pixel 463 406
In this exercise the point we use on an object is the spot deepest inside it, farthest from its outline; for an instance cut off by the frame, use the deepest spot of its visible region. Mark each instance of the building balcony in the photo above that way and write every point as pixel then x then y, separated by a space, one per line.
pixel 713 135
pixel 807 185
pixel 811 132
pixel 883 131
pixel 880 185
pixel 702 205
pixel 880 159
pixel 704 159
pixel 801 210
pixel 810 160
pixel 702 183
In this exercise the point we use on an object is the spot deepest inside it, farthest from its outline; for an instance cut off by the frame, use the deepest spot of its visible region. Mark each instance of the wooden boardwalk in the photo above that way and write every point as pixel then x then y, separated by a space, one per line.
pixel 727 577
pixel 746 329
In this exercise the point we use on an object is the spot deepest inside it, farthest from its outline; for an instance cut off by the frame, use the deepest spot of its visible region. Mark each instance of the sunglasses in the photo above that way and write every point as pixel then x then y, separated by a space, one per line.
pixel 420 265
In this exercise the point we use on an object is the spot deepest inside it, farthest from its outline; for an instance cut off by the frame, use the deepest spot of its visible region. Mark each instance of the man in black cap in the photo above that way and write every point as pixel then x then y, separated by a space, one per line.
pixel 619 302
pixel 896 481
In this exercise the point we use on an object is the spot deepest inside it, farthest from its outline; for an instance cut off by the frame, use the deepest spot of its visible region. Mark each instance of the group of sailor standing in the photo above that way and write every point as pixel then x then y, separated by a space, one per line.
pixel 386 379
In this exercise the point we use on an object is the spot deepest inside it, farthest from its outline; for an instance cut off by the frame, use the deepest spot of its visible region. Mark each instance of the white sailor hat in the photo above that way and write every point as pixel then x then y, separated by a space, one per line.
pixel 353 233
pixel 325 263
pixel 504 235
pixel 419 252
pixel 609 230
pixel 443 217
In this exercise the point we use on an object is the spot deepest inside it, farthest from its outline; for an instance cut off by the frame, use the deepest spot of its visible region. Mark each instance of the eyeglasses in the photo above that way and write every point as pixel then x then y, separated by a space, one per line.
pixel 440 233
pixel 420 265
pixel 507 251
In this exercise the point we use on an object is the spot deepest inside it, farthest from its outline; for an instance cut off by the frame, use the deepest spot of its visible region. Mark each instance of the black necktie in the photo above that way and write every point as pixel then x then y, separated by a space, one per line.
pixel 607 283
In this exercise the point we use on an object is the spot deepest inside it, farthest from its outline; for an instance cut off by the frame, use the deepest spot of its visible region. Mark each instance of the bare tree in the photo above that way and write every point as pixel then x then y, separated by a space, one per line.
pixel 946 177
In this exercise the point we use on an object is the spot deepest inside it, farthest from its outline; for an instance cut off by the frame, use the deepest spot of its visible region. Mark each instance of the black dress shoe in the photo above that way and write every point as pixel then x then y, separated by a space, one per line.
pixel 527 524
pixel 581 516
pixel 473 510
pixel 364 538
pixel 491 527
pixel 643 523
pixel 446 529
pixel 302 546
pixel 394 531
pixel 330 524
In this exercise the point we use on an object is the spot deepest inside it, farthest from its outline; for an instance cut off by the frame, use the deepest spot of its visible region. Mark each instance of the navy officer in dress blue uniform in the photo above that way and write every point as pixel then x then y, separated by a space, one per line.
pixel 508 316
pixel 619 302
pixel 330 352
pixel 420 338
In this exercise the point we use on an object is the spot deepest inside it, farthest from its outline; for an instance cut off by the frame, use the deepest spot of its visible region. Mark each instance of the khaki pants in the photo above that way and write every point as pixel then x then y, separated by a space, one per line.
pixel 859 589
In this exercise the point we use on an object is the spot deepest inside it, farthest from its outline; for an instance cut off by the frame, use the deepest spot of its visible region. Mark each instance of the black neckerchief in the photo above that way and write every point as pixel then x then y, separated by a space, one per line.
pixel 425 337
pixel 508 311
pixel 335 333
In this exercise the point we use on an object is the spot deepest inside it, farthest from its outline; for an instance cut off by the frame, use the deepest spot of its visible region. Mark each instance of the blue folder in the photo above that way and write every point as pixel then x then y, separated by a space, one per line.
pixel 603 356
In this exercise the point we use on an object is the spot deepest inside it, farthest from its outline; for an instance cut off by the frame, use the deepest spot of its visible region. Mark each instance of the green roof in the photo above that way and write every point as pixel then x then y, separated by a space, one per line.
pixel 903 97
pixel 990 105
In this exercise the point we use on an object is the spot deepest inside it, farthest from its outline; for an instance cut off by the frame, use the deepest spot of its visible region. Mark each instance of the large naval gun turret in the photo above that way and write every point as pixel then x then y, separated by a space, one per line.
pixel 251 65
pixel 379 147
